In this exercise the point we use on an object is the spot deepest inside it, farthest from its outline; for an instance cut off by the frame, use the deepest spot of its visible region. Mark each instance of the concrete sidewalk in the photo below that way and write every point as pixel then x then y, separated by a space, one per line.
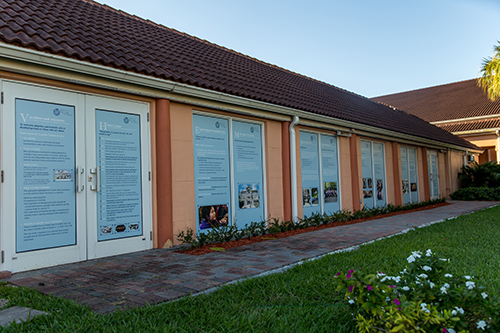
pixel 160 275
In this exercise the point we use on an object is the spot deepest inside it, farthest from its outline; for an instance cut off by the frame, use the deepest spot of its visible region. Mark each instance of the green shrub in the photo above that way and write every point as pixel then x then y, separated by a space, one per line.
pixel 480 175
pixel 477 193
pixel 221 234
pixel 423 298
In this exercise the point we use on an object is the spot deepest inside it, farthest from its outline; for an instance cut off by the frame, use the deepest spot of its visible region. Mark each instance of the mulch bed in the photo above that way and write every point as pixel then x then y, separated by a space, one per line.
pixel 235 243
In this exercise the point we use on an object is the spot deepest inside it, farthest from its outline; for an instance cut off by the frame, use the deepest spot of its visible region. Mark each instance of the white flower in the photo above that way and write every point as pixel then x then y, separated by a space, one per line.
pixel 427 268
pixel 470 284
pixel 444 290
pixel 459 310
pixel 451 330
pixel 416 254
pixel 432 285
pixel 379 274
pixel 453 312
pixel 423 276
pixel 484 295
pixel 410 259
pixel 467 277
pixel 446 285
pixel 351 301
pixel 387 299
pixel 481 324
pixel 396 279
pixel 448 275
pixel 428 253
pixel 405 288
pixel 424 308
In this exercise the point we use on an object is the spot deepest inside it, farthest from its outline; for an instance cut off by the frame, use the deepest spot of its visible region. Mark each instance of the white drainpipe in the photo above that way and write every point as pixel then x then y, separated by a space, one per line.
pixel 497 148
pixel 293 169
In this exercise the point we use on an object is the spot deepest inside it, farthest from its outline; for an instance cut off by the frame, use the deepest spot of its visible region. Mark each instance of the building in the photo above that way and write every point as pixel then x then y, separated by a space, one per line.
pixel 461 108
pixel 118 133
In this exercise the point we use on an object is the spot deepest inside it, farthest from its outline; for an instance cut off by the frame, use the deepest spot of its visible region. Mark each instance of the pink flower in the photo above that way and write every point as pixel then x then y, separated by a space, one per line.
pixel 369 287
pixel 351 288
pixel 348 276
pixel 397 302
pixel 338 274
pixel 392 286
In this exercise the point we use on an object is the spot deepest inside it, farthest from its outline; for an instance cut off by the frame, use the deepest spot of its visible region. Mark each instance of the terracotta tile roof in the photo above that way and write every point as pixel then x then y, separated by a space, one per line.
pixel 88 31
pixel 450 101
pixel 471 125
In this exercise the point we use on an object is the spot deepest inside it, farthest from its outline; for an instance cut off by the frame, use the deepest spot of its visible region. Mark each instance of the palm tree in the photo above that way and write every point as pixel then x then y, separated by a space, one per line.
pixel 490 74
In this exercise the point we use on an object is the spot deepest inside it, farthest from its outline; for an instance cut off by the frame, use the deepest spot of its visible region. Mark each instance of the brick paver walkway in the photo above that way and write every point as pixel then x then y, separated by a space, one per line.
pixel 159 275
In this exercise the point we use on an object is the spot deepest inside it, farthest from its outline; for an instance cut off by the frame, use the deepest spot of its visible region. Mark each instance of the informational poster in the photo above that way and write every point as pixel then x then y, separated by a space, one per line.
pixel 329 169
pixel 405 176
pixel 379 173
pixel 248 172
pixel 309 161
pixel 409 174
pixel 211 171
pixel 412 161
pixel 367 170
pixel 45 173
pixel 119 196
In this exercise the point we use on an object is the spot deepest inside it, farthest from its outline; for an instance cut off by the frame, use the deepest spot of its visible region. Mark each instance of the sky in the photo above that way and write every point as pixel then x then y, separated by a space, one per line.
pixel 368 47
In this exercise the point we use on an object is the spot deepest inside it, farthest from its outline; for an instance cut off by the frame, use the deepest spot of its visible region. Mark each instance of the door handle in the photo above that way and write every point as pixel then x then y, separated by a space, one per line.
pixel 98 179
pixel 97 173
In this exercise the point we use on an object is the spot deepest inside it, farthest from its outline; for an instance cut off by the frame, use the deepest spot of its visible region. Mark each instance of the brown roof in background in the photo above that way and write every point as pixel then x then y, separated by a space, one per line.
pixel 96 33
pixel 471 125
pixel 450 101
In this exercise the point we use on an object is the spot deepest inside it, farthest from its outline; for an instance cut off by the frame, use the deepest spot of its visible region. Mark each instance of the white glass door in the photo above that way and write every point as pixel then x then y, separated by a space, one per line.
pixel 117 170
pixel 76 182
pixel 433 174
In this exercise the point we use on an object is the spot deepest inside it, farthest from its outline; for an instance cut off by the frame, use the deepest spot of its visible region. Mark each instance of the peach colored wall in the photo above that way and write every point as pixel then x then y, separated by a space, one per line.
pixel 443 186
pixel 345 173
pixel 398 177
pixel 457 162
pixel 486 140
pixel 274 170
pixel 183 194
pixel 389 171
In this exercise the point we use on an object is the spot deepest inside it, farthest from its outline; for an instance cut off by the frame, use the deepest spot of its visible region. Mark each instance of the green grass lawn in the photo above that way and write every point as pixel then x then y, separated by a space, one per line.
pixel 302 299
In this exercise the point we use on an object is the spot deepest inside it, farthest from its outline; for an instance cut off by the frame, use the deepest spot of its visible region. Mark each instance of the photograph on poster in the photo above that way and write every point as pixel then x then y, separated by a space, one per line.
pixel 380 188
pixel 330 191
pixel 414 187
pixel 248 196
pixel 306 197
pixel 213 216
pixel 406 188
pixel 315 196
pixel 364 182
pixel 367 193
pixel 63 175
pixel 369 182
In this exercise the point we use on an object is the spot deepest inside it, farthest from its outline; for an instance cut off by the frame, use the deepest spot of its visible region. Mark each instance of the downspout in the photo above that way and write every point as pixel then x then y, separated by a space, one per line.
pixel 498 146
pixel 293 168
pixel 451 170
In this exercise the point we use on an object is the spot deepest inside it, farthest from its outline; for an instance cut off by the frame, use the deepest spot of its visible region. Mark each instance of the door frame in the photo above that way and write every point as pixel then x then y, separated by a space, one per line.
pixel 21 261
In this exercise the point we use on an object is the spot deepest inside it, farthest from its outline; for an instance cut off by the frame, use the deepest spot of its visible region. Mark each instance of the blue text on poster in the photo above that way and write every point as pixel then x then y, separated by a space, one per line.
pixel 211 171
pixel 119 199
pixel 309 163
pixel 45 170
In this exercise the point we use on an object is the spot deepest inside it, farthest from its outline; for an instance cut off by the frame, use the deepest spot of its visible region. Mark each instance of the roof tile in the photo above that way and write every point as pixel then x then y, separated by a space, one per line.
pixel 99 34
